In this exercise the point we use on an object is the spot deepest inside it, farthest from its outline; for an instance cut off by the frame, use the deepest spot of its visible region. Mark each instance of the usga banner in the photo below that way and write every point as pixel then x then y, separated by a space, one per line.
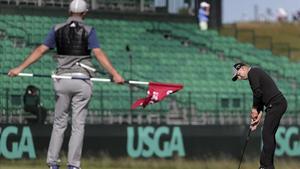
pixel 16 142
pixel 148 141
pixel 288 141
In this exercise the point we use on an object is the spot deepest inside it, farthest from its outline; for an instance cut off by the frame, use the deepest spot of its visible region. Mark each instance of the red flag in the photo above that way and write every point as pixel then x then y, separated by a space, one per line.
pixel 156 92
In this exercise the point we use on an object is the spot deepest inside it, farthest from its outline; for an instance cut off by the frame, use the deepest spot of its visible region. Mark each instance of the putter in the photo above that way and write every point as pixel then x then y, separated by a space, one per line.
pixel 245 145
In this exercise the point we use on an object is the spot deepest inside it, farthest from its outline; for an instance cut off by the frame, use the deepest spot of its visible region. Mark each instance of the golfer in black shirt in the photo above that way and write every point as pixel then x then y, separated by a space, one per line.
pixel 265 94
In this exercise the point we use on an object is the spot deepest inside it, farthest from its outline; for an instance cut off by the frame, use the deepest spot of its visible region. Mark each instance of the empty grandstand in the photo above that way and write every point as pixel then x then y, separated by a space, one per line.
pixel 161 51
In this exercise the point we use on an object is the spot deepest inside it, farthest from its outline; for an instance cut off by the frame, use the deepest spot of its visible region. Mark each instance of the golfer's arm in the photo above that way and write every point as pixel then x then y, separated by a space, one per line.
pixel 257 92
pixel 34 56
pixel 104 61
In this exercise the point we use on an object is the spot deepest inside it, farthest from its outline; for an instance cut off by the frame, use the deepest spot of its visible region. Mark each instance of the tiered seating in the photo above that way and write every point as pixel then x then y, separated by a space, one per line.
pixel 206 75
pixel 283 71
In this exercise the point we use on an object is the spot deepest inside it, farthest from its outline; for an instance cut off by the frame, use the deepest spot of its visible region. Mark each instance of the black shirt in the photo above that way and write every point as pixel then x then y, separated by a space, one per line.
pixel 263 87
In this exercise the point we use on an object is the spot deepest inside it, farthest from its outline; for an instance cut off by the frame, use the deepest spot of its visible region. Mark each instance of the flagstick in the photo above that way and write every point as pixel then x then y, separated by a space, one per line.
pixel 80 78
pixel 137 82
pixel 86 66
pixel 94 70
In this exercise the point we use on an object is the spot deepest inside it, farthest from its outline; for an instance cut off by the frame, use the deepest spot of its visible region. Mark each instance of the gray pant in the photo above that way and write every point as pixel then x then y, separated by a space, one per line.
pixel 75 94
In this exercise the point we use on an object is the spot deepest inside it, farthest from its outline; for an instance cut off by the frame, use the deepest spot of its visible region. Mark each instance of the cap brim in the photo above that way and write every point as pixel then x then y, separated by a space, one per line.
pixel 234 78
pixel 234 74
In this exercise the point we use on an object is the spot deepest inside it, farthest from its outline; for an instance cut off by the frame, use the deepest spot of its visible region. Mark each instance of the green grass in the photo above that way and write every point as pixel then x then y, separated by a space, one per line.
pixel 287 33
pixel 107 163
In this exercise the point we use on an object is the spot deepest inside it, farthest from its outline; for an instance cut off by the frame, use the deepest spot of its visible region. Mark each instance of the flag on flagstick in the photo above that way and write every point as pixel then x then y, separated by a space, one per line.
pixel 156 92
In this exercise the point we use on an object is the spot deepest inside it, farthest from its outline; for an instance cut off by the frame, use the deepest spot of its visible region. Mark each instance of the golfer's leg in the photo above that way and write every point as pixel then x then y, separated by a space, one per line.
pixel 79 112
pixel 266 158
pixel 59 125
pixel 271 123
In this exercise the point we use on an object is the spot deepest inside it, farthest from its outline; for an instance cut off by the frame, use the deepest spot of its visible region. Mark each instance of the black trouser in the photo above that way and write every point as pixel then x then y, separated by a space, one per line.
pixel 274 112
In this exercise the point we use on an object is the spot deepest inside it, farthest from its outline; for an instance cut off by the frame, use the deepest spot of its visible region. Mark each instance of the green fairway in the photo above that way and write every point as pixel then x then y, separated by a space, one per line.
pixel 106 163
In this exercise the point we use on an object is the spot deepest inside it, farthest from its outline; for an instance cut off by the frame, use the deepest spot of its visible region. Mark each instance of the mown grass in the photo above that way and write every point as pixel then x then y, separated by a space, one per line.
pixel 281 33
pixel 126 163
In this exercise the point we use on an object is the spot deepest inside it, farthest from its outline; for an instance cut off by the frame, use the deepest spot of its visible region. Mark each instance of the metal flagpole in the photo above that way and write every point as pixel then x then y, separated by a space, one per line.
pixel 81 78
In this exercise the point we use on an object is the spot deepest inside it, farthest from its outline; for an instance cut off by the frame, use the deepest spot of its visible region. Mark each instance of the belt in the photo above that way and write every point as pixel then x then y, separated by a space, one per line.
pixel 82 75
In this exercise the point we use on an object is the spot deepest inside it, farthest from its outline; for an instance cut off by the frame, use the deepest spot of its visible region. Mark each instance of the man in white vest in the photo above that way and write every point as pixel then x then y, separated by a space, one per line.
pixel 74 41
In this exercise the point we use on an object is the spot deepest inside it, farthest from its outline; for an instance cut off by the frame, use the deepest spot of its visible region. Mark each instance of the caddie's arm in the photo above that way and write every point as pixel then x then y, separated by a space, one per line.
pixel 104 61
pixel 33 57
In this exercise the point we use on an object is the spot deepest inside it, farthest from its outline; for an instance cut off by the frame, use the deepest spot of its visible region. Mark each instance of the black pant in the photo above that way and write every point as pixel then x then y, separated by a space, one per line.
pixel 274 112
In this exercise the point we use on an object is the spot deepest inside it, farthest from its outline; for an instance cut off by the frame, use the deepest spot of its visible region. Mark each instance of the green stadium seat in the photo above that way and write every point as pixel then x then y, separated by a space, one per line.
pixel 205 74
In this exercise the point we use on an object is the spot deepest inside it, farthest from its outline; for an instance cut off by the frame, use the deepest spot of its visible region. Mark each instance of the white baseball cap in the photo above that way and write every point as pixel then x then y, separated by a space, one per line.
pixel 78 6
pixel 204 4
pixel 236 67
